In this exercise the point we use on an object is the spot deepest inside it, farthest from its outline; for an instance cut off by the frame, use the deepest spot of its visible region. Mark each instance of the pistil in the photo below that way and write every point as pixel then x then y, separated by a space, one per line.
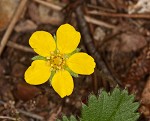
pixel 57 61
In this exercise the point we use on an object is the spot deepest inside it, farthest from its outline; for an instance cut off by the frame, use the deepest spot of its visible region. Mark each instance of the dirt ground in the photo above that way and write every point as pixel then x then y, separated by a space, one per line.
pixel 115 32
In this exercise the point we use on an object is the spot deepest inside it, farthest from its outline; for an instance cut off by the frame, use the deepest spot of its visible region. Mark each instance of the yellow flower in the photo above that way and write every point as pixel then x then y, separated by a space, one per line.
pixel 59 59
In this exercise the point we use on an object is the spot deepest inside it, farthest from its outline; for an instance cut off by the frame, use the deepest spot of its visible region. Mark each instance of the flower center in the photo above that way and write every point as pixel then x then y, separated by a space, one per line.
pixel 57 61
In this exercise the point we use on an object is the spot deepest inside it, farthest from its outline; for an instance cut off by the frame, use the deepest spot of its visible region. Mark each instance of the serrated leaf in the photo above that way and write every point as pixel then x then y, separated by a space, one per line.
pixel 72 118
pixel 38 57
pixel 116 106
pixel 65 118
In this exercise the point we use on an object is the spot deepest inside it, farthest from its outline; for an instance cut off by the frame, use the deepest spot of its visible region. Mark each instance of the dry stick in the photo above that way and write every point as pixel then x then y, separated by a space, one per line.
pixel 91 47
pixel 112 4
pixel 98 22
pixel 12 24
pixel 6 117
pixel 100 13
pixel 87 18
pixel 19 47
pixel 50 5
pixel 101 8
pixel 29 114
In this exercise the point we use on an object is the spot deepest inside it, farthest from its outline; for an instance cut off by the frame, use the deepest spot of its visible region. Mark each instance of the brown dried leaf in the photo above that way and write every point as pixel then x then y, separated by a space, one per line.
pixel 44 15
pixel 26 25
pixel 7 9
pixel 132 42
pixel 26 92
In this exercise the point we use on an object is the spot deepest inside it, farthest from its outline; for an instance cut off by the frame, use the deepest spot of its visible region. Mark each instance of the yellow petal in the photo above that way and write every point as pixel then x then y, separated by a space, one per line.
pixel 62 83
pixel 67 38
pixel 42 42
pixel 38 72
pixel 81 63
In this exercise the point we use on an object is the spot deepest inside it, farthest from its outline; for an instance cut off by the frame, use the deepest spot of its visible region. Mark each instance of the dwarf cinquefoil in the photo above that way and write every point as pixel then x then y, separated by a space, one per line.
pixel 58 59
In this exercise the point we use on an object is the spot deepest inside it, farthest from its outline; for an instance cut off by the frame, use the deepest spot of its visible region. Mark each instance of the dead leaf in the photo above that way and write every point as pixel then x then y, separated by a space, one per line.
pixel 132 42
pixel 7 9
pixel 44 15
pixel 26 25
pixel 26 92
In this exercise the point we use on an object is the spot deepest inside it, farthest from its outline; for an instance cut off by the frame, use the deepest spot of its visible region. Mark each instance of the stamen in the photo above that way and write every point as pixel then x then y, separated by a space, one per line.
pixel 57 51
pixel 51 69
pixel 47 58
pixel 52 53
pixel 56 60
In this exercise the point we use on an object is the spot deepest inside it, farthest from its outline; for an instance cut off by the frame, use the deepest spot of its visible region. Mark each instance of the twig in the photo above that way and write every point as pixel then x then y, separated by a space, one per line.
pixel 112 4
pixel 100 13
pixel 19 47
pixel 87 18
pixel 98 22
pixel 48 4
pixel 29 114
pixel 91 47
pixel 101 8
pixel 12 24
pixel 6 117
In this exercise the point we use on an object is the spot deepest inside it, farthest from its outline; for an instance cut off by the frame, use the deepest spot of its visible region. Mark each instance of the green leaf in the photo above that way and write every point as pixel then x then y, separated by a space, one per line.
pixel 117 106
pixel 72 118
pixel 38 57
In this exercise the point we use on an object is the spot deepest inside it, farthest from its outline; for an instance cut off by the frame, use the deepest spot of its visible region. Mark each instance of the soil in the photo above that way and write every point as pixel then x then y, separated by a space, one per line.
pixel 120 36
